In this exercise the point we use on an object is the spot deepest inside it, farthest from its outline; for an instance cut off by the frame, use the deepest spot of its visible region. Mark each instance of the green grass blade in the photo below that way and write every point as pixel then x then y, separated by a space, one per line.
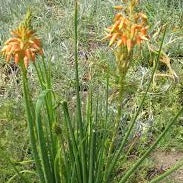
pixel 57 167
pixel 19 173
pixel 91 134
pixel 44 77
pixel 79 114
pixel 101 150
pixel 41 137
pixel 72 141
pixel 14 167
pixel 107 103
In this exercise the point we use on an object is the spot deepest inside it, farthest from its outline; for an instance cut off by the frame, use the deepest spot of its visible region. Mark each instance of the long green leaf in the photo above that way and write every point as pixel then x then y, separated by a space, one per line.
pixel 44 77
pixel 79 114
pixel 41 137
pixel 72 140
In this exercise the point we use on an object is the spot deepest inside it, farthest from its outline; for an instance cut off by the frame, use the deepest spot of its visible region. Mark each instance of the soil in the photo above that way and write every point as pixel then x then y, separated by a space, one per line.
pixel 164 160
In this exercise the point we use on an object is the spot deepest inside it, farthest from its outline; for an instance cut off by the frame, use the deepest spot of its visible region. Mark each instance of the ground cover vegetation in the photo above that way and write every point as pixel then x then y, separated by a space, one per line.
pixel 83 101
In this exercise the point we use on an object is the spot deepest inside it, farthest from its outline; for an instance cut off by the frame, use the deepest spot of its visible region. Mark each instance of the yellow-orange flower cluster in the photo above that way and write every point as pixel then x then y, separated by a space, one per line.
pixel 22 46
pixel 128 29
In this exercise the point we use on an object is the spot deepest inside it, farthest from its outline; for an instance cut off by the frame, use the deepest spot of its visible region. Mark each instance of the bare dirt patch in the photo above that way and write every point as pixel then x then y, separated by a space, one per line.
pixel 164 160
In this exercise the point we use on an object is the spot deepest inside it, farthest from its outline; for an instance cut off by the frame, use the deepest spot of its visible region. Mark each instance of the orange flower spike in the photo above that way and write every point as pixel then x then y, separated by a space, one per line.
pixel 9 50
pixel 11 40
pixel 129 28
pixel 117 17
pixel 138 27
pixel 115 26
pixel 36 47
pixel 126 23
pixel 144 38
pixel 24 44
pixel 26 61
pixel 132 30
pixel 120 42
pixel 144 31
pixel 138 40
pixel 129 45
pixel 124 39
pixel 30 33
pixel 37 42
pixel 28 54
pixel 8 57
pixel 113 39
pixel 118 7
pixel 121 23
pixel 16 58
pixel 33 56
pixel 41 52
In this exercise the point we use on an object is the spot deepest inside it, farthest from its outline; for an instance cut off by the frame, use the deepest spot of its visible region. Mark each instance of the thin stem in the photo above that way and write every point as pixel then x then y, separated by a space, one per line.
pixel 79 115
pixel 117 120
pixel 30 124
